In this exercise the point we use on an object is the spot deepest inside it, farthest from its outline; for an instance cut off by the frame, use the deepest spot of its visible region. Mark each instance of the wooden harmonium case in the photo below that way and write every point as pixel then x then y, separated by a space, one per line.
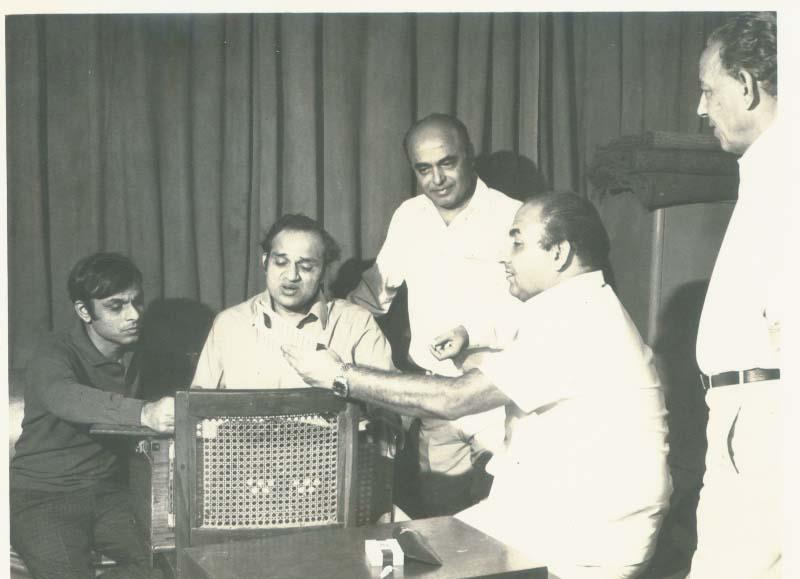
pixel 254 462
pixel 152 482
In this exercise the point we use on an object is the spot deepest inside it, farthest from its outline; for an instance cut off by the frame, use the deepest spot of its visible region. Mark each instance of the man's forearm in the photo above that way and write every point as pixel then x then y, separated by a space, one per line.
pixel 409 394
pixel 83 404
pixel 425 396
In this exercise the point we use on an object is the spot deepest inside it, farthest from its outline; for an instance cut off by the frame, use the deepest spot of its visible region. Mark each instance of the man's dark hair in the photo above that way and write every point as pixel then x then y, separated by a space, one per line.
pixel 570 217
pixel 101 275
pixel 300 222
pixel 448 121
pixel 749 42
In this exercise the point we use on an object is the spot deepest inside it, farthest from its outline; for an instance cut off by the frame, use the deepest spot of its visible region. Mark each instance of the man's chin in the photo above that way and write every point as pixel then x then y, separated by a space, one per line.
pixel 519 293
pixel 294 306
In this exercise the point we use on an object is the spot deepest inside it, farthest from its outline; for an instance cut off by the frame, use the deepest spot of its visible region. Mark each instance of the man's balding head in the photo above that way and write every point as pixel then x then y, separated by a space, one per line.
pixel 441 122
pixel 442 157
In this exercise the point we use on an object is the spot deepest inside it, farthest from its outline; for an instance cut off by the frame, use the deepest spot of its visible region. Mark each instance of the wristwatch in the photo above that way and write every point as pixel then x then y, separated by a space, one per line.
pixel 340 386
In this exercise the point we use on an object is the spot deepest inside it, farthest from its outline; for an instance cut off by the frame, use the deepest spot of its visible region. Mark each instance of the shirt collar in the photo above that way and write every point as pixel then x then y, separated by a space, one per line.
pixel 765 159
pixel 763 148
pixel 477 202
pixel 319 310
pixel 568 290
pixel 89 352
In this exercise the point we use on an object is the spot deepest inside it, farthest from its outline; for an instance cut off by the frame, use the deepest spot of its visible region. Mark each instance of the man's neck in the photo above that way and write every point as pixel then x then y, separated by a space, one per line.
pixel 107 348
pixel 292 316
pixel 574 270
pixel 763 120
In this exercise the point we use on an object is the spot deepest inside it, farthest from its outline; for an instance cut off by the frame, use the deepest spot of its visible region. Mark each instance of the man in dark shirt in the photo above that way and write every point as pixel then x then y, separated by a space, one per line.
pixel 68 489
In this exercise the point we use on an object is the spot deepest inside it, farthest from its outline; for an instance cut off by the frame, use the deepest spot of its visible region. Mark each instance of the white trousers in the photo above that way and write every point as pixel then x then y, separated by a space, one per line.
pixel 739 516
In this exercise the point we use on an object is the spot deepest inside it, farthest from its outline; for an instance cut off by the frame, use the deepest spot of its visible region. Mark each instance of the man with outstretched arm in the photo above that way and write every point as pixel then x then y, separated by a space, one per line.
pixel 583 483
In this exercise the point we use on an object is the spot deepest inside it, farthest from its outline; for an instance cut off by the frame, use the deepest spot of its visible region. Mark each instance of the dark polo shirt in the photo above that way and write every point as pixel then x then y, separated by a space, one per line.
pixel 71 385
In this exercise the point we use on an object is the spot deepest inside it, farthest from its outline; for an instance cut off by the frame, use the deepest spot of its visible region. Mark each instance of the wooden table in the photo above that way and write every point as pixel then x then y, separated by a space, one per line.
pixel 339 553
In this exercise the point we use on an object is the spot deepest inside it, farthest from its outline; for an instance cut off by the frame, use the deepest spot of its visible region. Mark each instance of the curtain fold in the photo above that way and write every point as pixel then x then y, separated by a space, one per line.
pixel 179 139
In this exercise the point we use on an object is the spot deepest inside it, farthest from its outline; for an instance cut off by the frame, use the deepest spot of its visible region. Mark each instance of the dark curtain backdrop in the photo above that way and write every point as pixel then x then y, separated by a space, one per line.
pixel 178 139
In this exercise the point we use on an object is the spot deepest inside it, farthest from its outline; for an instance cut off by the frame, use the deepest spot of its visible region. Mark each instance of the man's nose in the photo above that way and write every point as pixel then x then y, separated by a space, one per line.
pixel 134 313
pixel 293 272
pixel 438 176
pixel 702 110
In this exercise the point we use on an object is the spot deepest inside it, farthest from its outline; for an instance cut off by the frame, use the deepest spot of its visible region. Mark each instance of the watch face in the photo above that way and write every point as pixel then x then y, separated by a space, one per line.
pixel 340 387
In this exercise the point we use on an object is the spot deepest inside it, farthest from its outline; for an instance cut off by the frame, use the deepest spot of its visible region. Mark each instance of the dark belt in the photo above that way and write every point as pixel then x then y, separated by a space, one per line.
pixel 739 377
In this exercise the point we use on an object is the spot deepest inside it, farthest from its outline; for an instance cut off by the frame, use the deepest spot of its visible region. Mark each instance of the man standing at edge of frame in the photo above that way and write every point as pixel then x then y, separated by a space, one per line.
pixel 740 512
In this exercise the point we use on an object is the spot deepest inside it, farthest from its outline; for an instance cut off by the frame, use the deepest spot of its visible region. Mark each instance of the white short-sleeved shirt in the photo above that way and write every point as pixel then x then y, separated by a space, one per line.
pixel 740 327
pixel 585 472
pixel 453 272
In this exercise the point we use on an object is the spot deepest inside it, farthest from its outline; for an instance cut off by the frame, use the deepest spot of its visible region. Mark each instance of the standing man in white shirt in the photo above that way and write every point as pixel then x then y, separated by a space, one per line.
pixel 446 245
pixel 739 517
pixel 583 483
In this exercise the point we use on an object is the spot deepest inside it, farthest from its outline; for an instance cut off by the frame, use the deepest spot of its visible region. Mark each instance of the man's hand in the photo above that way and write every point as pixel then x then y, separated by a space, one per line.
pixel 318 368
pixel 159 415
pixel 450 344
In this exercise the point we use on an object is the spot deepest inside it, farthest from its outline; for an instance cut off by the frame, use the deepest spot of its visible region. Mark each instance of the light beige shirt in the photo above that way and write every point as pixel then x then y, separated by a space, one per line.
pixel 740 326
pixel 243 349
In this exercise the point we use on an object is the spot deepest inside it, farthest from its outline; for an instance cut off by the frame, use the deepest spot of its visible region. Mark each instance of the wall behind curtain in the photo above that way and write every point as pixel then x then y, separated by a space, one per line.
pixel 178 139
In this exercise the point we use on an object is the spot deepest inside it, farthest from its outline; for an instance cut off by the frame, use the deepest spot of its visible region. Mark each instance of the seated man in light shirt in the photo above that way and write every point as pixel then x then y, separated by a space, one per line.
pixel 583 483
pixel 243 349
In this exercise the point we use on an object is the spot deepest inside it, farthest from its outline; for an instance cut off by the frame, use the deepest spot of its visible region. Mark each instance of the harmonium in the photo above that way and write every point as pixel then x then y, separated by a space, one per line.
pixel 249 462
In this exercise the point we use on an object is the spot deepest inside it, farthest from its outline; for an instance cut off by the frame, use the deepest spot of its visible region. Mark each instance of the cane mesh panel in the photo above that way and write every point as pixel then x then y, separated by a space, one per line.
pixel 268 471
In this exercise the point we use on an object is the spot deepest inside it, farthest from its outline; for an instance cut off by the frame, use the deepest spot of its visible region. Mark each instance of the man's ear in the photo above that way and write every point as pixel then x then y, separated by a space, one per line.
pixel 327 279
pixel 264 258
pixel 750 89
pixel 562 255
pixel 83 311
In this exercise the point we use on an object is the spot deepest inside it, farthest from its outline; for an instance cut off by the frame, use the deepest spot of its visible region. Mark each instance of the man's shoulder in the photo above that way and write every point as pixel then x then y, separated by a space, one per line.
pixel 501 201
pixel 237 314
pixel 351 313
pixel 56 344
pixel 59 350
pixel 411 207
